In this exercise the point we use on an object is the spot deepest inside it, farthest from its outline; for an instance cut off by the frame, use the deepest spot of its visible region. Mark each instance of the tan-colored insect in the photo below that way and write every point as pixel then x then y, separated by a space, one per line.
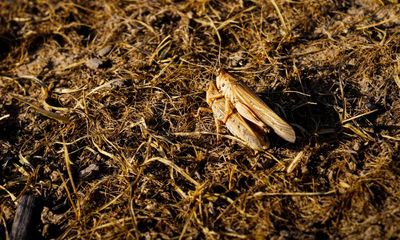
pixel 234 123
pixel 250 106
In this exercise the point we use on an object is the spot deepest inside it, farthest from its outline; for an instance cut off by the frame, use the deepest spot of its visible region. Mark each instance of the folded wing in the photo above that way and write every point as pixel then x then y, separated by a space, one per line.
pixel 263 112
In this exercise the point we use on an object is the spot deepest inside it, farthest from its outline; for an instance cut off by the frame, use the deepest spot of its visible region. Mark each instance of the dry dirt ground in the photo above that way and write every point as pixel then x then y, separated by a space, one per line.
pixel 98 119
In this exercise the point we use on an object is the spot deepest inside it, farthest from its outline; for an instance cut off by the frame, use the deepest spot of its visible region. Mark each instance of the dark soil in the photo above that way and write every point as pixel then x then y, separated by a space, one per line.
pixel 98 103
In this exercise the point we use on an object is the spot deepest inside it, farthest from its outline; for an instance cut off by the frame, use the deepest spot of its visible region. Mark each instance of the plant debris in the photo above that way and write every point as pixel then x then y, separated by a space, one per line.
pixel 98 118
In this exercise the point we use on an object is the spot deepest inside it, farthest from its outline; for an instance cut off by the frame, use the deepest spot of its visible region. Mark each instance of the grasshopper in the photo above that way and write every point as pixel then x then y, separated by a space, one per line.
pixel 234 122
pixel 249 106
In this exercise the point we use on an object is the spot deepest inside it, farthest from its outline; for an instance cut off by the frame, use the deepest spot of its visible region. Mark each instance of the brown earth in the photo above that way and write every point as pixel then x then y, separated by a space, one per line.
pixel 97 118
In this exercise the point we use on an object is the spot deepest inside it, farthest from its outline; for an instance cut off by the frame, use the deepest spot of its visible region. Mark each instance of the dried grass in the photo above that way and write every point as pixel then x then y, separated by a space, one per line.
pixel 98 118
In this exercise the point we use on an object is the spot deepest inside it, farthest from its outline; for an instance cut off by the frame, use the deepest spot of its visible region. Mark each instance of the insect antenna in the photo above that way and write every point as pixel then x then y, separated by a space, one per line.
pixel 219 57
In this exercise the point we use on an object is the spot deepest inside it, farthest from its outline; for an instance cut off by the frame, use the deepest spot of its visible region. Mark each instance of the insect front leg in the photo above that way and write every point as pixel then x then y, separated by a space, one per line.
pixel 202 109
pixel 211 97
pixel 228 110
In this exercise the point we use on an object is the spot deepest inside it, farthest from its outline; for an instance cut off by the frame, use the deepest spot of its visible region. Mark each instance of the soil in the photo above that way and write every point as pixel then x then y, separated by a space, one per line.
pixel 98 103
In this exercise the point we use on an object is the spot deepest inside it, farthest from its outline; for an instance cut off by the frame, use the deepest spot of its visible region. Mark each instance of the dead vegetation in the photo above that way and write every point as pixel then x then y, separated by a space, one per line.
pixel 97 118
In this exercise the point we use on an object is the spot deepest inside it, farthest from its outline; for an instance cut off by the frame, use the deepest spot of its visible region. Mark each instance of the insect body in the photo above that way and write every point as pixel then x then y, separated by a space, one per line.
pixel 234 123
pixel 250 106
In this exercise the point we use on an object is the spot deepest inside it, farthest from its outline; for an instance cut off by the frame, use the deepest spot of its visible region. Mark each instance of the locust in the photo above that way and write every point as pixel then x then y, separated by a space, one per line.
pixel 235 123
pixel 237 96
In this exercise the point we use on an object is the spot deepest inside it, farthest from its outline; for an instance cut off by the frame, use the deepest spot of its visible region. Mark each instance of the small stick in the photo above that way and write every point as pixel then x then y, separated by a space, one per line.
pixel 42 111
pixel 25 218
